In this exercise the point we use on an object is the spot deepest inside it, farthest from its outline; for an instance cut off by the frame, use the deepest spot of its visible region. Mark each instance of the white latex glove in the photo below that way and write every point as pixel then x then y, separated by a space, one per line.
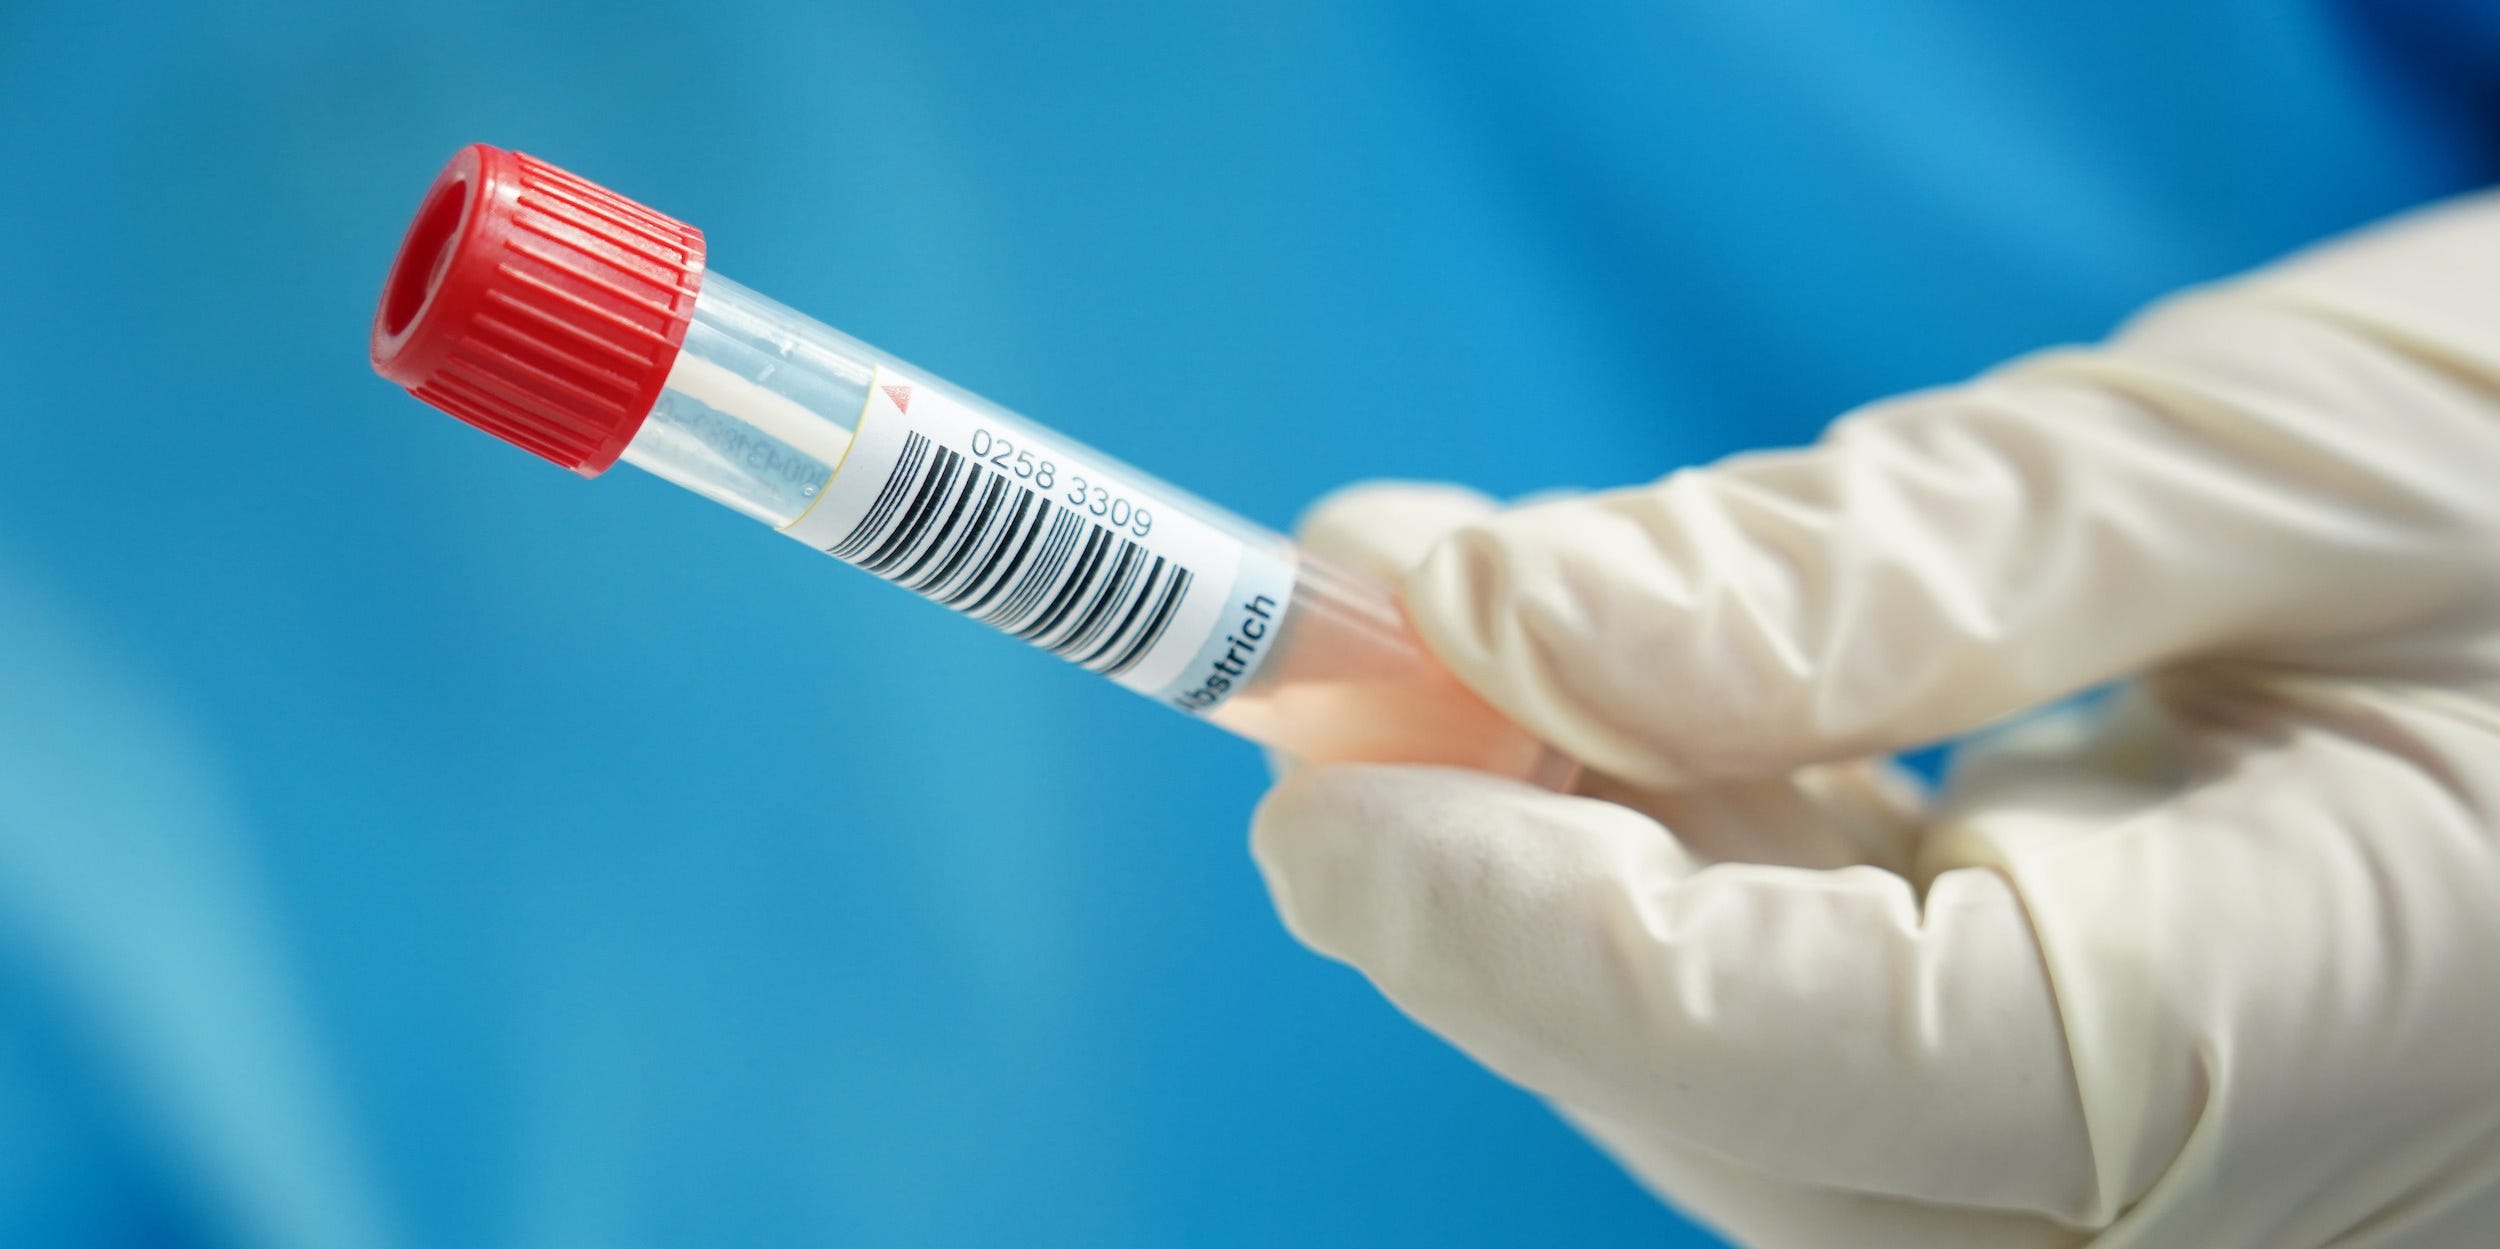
pixel 2214 965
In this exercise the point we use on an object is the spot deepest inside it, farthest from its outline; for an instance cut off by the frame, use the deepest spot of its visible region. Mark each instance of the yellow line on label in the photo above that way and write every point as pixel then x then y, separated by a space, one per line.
pixel 825 487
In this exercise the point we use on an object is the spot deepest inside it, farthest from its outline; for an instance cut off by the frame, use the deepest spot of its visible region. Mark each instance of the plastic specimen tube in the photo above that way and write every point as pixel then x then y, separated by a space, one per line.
pixel 583 327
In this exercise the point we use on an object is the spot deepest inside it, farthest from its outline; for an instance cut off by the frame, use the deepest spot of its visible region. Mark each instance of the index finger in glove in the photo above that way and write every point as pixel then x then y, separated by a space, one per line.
pixel 2275 470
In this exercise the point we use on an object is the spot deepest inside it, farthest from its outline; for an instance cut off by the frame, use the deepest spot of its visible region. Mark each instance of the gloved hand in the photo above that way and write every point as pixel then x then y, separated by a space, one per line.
pixel 2215 963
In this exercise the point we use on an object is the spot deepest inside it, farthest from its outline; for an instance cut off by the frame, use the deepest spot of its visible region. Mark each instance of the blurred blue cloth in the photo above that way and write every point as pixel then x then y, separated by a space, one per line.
pixel 403 843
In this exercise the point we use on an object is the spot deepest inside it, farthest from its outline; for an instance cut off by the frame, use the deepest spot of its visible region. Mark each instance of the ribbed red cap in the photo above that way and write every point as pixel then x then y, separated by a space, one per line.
pixel 541 308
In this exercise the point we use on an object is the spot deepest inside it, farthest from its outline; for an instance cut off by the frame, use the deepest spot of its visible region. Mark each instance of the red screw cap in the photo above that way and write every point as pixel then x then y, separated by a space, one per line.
pixel 541 308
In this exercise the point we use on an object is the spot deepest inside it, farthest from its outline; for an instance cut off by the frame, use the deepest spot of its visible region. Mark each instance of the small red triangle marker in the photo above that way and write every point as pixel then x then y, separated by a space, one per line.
pixel 901 395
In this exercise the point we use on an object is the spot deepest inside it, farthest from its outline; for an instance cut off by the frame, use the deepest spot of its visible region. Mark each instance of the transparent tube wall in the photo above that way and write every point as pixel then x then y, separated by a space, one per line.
pixel 759 410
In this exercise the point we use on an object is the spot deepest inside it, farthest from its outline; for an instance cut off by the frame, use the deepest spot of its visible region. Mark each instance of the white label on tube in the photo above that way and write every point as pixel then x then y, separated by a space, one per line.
pixel 1001 522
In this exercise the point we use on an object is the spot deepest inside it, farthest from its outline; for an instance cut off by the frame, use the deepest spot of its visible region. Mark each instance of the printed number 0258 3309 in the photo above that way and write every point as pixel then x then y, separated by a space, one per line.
pixel 1091 497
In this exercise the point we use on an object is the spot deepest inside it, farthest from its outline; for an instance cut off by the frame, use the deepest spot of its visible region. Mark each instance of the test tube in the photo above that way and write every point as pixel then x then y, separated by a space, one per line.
pixel 583 327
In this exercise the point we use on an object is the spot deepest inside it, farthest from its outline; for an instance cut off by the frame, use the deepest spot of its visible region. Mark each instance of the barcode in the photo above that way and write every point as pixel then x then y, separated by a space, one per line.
pixel 952 529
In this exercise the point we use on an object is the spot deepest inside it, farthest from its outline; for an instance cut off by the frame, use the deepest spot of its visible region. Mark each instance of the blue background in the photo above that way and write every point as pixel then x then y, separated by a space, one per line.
pixel 404 843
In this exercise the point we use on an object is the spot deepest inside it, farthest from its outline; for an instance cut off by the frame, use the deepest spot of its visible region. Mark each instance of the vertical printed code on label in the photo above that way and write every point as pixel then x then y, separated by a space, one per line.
pixel 952 529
